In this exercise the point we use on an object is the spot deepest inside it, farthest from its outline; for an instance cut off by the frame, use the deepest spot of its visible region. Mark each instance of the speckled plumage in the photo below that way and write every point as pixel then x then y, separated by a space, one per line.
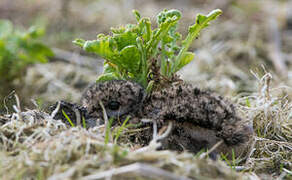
pixel 119 98
pixel 184 103
pixel 200 118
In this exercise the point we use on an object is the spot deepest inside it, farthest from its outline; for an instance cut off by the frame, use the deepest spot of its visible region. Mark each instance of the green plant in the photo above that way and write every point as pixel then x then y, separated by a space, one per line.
pixel 145 55
pixel 108 134
pixel 68 118
pixel 120 129
pixel 83 122
pixel 231 163
pixel 18 49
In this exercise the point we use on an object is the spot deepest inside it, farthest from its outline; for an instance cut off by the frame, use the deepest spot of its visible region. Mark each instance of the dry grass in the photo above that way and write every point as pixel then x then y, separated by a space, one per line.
pixel 33 145
pixel 271 151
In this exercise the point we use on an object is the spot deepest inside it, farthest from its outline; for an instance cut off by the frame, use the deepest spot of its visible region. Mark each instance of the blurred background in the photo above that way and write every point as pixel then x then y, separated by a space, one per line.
pixel 251 37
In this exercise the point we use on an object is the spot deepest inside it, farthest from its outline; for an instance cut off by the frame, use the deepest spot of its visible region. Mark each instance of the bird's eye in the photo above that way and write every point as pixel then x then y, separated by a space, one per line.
pixel 114 105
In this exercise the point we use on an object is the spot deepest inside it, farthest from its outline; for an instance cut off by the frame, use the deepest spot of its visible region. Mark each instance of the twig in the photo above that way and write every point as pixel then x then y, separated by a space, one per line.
pixel 211 150
pixel 17 102
pixel 106 122
pixel 154 129
pixel 65 175
pixel 53 114
pixel 166 133
pixel 140 169
pixel 154 144
pixel 17 107
pixel 287 171
pixel 78 117
pixel 240 168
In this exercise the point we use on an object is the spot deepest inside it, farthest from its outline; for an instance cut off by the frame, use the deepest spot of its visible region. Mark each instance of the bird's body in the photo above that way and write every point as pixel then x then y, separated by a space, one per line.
pixel 201 119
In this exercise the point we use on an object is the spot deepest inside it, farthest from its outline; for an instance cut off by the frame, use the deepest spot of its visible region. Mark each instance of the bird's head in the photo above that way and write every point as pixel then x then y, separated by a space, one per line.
pixel 118 97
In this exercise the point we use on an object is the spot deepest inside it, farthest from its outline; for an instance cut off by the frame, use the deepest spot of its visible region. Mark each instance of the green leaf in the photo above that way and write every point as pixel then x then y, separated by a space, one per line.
pixel 169 48
pixel 143 69
pixel 247 102
pixel 120 129
pixel 167 19
pixel 137 15
pixel 106 77
pixel 130 56
pixel 6 28
pixel 83 122
pixel 134 50
pixel 167 15
pixel 39 48
pixel 186 59
pixel 100 47
pixel 202 21
pixel 35 32
pixel 149 86
pixel 107 68
pixel 145 29
pixel 125 39
pixel 104 47
pixel 18 49
pixel 68 118
pixel 79 42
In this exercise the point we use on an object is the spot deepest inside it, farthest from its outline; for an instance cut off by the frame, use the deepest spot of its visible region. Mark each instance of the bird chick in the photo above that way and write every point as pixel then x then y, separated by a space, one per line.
pixel 200 118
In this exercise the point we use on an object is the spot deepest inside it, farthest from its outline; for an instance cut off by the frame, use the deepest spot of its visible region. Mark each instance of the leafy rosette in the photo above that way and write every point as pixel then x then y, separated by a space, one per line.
pixel 131 51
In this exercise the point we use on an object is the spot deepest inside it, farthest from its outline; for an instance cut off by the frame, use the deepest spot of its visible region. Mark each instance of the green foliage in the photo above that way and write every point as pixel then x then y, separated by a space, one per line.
pixel 18 49
pixel 231 163
pixel 68 118
pixel 83 122
pixel 120 130
pixel 136 51
pixel 107 137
